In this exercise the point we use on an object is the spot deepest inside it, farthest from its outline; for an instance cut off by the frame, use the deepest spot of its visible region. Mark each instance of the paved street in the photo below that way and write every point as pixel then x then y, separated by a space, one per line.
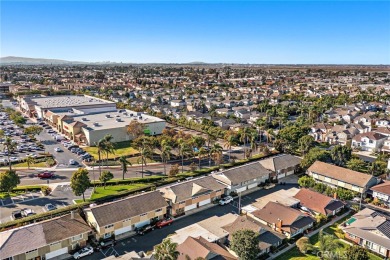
pixel 146 242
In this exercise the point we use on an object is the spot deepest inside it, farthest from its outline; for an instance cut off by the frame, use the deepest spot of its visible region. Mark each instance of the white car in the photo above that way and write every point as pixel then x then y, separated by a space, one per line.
pixel 226 200
pixel 58 150
pixel 72 162
pixel 83 252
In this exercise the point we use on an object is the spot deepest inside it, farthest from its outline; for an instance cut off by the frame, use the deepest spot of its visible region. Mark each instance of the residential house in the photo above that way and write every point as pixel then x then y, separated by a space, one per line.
pixel 335 176
pixel 244 177
pixel 224 123
pixel 268 238
pixel 48 239
pixel 288 221
pixel 382 192
pixel 192 194
pixel 178 103
pixel 319 131
pixel 369 229
pixel 193 248
pixel 370 141
pixel 386 146
pixel 243 114
pixel 318 203
pixel 284 197
pixel 121 217
pixel 281 165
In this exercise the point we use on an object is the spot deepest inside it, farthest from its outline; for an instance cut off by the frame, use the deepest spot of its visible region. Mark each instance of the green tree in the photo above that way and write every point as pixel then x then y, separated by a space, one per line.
pixel 184 150
pixel 108 147
pixel 313 155
pixel 216 153
pixel 30 160
pixel 135 129
pixel 8 181
pixel 80 182
pixel 105 177
pixel 327 243
pixel 290 136
pixel 50 162
pixel 145 153
pixel 10 146
pixel 356 164
pixel 305 143
pixel 244 135
pixel 202 153
pixel 124 163
pixel 33 130
pixel 174 170
pixel 341 154
pixel 303 244
pixel 306 181
pixel 245 244
pixel 100 145
pixel 356 252
pixel 230 140
pixel 167 250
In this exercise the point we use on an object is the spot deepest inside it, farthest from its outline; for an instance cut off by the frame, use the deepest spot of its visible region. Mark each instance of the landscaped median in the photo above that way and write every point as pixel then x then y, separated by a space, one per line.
pixel 20 190
pixel 121 148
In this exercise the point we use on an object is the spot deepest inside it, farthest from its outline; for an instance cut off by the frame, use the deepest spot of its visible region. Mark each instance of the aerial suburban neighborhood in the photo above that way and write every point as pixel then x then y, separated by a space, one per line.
pixel 124 161
pixel 194 130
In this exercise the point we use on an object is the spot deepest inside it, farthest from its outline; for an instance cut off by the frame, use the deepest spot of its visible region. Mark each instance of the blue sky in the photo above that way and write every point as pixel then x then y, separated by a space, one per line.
pixel 271 32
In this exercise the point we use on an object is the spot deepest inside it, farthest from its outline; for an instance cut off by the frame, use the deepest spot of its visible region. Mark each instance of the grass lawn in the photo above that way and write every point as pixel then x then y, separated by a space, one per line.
pixel 331 229
pixel 132 160
pixel 121 148
pixel 296 255
pixel 100 192
pixel 4 195
pixel 24 164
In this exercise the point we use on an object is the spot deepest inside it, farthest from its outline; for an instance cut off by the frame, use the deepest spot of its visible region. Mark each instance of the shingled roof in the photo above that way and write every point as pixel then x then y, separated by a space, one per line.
pixel 317 201
pixel 116 211
pixel 339 173
pixel 20 240
pixel 244 173
pixel 280 162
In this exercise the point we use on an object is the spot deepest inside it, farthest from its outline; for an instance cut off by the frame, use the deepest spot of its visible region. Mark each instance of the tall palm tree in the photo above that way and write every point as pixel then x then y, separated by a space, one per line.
pixel 201 154
pixel 145 153
pixel 29 160
pixel 10 146
pixel 184 150
pixel 211 136
pixel 216 152
pixel 167 250
pixel 245 132
pixel 124 162
pixel 109 147
pixel 252 139
pixel 230 140
pixel 100 149
pixel 165 154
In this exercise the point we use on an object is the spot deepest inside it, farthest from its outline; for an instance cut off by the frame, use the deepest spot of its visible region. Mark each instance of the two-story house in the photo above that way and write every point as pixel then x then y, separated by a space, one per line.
pixel 281 165
pixel 49 239
pixel 288 221
pixel 121 217
pixel 192 194
pixel 382 192
pixel 370 141
pixel 335 176
pixel 244 177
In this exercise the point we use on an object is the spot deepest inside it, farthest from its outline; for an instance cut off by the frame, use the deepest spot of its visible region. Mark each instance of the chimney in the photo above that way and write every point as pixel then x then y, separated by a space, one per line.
pixel 335 195
pixel 279 224
pixel 72 214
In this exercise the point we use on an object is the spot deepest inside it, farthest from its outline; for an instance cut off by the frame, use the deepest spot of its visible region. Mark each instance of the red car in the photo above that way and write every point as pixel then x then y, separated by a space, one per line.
pixel 164 222
pixel 45 175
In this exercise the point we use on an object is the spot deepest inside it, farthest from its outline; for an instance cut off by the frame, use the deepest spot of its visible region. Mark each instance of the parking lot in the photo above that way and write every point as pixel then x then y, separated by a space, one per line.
pixel 61 196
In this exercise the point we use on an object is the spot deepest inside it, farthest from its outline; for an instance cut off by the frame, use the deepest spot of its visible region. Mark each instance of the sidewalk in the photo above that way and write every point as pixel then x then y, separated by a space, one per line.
pixel 291 246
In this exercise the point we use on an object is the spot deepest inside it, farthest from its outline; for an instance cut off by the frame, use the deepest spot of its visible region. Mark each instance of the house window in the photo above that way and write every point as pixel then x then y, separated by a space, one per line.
pixel 368 244
pixel 109 226
pixel 78 237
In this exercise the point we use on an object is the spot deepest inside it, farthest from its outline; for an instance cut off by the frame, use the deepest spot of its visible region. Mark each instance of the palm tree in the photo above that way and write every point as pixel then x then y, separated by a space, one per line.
pixel 30 160
pixel 108 146
pixel 10 146
pixel 327 243
pixel 252 139
pixel 211 136
pixel 145 153
pixel 243 137
pixel 100 148
pixel 166 250
pixel 165 154
pixel 216 152
pixel 184 150
pixel 124 162
pixel 230 140
pixel 201 154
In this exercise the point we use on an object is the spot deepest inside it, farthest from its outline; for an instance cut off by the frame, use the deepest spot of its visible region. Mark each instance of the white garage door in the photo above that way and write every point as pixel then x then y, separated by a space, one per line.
pixel 281 175
pixel 142 223
pixel 241 189
pixel 122 230
pixel 56 253
pixel 251 186
pixel 204 202
pixel 190 207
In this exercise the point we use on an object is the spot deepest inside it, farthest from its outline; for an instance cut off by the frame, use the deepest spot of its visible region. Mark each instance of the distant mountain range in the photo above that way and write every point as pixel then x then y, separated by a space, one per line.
pixel 27 61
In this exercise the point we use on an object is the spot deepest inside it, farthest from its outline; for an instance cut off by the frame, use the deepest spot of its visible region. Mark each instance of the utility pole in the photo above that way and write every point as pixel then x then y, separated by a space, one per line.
pixel 239 203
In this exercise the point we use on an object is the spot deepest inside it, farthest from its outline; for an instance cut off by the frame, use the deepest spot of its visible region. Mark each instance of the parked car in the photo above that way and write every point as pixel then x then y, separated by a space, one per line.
pixel 16 215
pixel 83 252
pixel 226 200
pixel 27 212
pixel 46 175
pixel 107 243
pixel 58 150
pixel 145 229
pixel 50 207
pixel 164 222
pixel 72 162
